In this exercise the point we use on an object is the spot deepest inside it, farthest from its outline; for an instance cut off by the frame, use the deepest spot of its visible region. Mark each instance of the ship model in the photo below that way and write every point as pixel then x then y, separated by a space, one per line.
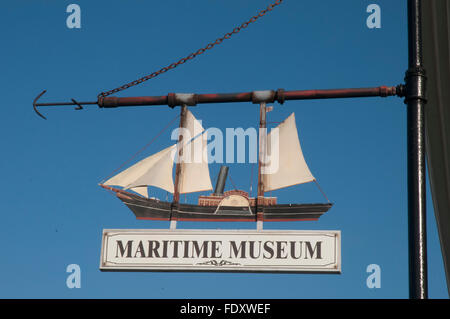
pixel 193 176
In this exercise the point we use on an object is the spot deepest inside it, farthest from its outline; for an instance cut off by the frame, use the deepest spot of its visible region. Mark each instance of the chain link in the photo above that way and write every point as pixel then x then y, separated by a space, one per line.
pixel 194 54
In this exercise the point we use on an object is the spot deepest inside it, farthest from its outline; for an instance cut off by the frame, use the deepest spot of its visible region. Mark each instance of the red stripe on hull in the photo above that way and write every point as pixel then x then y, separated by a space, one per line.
pixel 199 219
pixel 290 219
pixel 152 218
pixel 228 220
pixel 215 220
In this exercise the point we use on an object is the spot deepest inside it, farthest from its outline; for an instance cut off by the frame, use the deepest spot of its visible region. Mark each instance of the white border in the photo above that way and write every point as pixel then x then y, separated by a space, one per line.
pixel 333 268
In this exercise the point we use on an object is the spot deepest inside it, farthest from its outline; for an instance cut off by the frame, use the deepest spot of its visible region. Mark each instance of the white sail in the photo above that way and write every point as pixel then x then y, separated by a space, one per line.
pixel 194 161
pixel 155 170
pixel 143 190
pixel 193 126
pixel 287 154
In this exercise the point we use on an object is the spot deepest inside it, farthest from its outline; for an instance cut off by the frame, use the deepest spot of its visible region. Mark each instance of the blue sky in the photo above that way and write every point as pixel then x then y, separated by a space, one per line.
pixel 53 211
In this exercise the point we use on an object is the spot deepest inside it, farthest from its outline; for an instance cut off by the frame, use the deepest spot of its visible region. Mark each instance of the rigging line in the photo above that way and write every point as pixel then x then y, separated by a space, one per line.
pixel 194 54
pixel 229 175
pixel 320 189
pixel 139 151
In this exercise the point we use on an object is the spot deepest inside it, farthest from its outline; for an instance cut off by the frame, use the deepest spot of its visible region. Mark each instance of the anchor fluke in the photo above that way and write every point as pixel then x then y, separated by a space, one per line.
pixel 35 106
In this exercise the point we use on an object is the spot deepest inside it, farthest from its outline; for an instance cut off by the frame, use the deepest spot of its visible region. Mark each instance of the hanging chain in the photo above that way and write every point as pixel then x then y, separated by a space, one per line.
pixel 193 55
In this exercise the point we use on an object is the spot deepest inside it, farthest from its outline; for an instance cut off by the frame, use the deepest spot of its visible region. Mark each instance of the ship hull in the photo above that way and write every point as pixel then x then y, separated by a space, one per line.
pixel 153 209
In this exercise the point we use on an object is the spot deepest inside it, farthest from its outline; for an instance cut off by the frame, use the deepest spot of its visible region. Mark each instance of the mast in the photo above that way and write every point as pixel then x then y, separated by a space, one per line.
pixel 262 146
pixel 261 156
pixel 176 193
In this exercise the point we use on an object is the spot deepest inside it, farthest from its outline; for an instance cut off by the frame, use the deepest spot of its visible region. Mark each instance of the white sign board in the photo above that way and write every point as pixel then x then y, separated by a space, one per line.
pixel 221 250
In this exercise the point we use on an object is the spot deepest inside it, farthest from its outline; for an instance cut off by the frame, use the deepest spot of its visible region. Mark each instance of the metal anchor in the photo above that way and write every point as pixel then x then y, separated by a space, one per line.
pixel 79 105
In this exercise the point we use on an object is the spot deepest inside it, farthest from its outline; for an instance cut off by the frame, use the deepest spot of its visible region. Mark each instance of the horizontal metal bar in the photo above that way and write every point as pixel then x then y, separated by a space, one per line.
pixel 268 96
pixel 174 99
pixel 65 103
pixel 340 93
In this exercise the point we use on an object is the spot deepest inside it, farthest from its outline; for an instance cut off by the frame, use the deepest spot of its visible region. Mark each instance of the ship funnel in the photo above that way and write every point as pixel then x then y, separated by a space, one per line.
pixel 221 180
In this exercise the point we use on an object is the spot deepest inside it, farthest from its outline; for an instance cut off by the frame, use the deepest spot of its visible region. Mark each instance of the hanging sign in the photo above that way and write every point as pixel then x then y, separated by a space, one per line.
pixel 221 250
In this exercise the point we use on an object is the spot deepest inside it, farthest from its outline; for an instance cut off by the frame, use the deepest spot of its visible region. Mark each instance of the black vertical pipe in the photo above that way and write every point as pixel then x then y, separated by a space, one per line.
pixel 416 100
